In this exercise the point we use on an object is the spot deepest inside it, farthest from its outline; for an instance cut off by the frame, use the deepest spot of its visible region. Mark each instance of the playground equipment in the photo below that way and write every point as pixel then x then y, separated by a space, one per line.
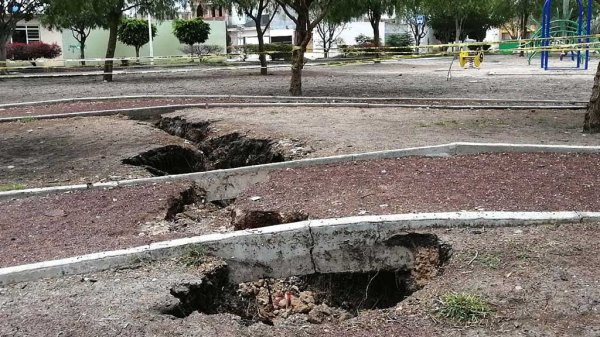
pixel 474 58
pixel 563 29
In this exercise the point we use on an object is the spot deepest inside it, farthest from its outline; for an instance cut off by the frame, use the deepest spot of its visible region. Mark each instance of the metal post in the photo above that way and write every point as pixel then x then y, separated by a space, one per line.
pixel 588 33
pixel 150 41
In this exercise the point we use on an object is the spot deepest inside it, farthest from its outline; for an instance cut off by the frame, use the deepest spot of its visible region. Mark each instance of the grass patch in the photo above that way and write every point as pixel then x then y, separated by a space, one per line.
pixel 194 257
pixel 490 261
pixel 27 119
pixel 12 187
pixel 463 308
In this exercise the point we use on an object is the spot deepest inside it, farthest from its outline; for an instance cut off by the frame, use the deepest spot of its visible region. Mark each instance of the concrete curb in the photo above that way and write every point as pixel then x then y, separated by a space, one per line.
pixel 155 111
pixel 291 98
pixel 291 249
pixel 229 183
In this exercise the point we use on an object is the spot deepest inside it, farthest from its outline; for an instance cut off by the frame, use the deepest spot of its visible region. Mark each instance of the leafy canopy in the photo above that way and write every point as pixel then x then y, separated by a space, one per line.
pixel 134 32
pixel 192 31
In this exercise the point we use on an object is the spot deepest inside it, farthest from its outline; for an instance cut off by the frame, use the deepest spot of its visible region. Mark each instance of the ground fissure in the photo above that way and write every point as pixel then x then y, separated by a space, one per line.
pixel 203 150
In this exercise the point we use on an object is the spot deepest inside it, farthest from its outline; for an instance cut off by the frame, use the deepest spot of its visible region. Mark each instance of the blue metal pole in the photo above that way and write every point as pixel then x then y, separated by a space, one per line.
pixel 579 32
pixel 543 42
pixel 588 33
pixel 547 32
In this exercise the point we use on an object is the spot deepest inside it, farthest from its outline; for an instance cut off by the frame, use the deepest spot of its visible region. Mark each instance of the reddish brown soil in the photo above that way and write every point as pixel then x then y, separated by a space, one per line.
pixel 36 228
pixel 524 182
pixel 80 222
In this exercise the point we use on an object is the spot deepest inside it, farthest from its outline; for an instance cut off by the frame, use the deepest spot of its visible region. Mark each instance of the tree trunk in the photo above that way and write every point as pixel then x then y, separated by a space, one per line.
pixel 524 20
pixel 374 20
pixel 303 37
pixel 82 51
pixel 261 49
pixel 591 122
pixel 375 25
pixel 110 49
pixel 137 55
pixel 458 28
pixel 3 64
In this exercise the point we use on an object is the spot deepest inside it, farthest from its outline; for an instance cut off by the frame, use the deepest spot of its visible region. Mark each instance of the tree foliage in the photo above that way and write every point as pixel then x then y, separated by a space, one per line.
pixel 11 12
pixel 459 18
pixel 256 10
pixel 60 16
pixel 192 31
pixel 134 32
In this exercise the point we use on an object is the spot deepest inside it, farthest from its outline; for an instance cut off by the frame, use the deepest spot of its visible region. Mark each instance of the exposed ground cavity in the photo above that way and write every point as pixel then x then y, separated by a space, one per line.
pixel 205 152
pixel 317 297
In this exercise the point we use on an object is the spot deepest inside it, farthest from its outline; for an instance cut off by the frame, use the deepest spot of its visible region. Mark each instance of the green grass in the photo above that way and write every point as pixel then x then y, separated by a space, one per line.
pixel 194 257
pixel 12 187
pixel 490 261
pixel 464 308
pixel 27 119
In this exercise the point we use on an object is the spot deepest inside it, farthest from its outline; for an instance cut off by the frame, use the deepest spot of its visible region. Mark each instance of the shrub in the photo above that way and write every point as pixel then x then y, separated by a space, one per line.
pixel 32 51
pixel 399 42
pixel 202 49
pixel 277 51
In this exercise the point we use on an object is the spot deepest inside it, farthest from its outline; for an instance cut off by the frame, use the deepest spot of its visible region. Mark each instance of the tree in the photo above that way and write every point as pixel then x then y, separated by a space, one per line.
pixel 460 18
pixel 410 11
pixel 329 31
pixel 191 32
pixel 373 9
pixel 111 12
pixel 134 32
pixel 58 15
pixel 256 10
pixel 11 12
pixel 306 14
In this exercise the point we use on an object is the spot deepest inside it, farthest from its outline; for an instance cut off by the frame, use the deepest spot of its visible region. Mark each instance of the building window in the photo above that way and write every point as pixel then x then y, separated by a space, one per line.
pixel 220 11
pixel 200 12
pixel 281 39
pixel 213 11
pixel 26 34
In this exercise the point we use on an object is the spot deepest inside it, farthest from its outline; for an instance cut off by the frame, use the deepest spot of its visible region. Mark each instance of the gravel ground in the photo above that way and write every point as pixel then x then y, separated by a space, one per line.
pixel 63 225
pixel 97 220
pixel 413 78
pixel 540 281
pixel 497 182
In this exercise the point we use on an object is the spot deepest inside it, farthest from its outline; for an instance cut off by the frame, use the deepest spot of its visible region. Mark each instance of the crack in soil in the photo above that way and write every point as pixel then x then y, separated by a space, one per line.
pixel 204 153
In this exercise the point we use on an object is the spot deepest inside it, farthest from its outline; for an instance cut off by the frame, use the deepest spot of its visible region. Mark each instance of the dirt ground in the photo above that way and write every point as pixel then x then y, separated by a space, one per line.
pixel 91 221
pixel 71 151
pixel 501 77
pixel 540 281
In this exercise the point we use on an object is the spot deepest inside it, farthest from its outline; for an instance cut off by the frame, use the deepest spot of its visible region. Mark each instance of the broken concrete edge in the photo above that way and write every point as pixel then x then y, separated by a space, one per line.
pixel 291 98
pixel 229 183
pixel 290 249
pixel 153 111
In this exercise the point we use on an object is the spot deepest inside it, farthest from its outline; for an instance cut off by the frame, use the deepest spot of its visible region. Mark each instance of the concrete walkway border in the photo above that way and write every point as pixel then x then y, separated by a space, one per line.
pixel 229 183
pixel 156 111
pixel 299 248
pixel 288 98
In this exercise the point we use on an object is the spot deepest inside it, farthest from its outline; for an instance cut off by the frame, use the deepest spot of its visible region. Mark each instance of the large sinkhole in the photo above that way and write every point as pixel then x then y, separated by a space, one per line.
pixel 204 153
pixel 317 297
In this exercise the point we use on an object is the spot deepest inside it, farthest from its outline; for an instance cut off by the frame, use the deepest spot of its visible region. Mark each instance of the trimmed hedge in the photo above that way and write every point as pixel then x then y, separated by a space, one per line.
pixel 31 51
pixel 277 51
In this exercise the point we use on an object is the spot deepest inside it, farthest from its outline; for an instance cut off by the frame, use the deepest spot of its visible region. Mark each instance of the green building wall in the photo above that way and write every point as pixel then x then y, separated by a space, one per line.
pixel 165 42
